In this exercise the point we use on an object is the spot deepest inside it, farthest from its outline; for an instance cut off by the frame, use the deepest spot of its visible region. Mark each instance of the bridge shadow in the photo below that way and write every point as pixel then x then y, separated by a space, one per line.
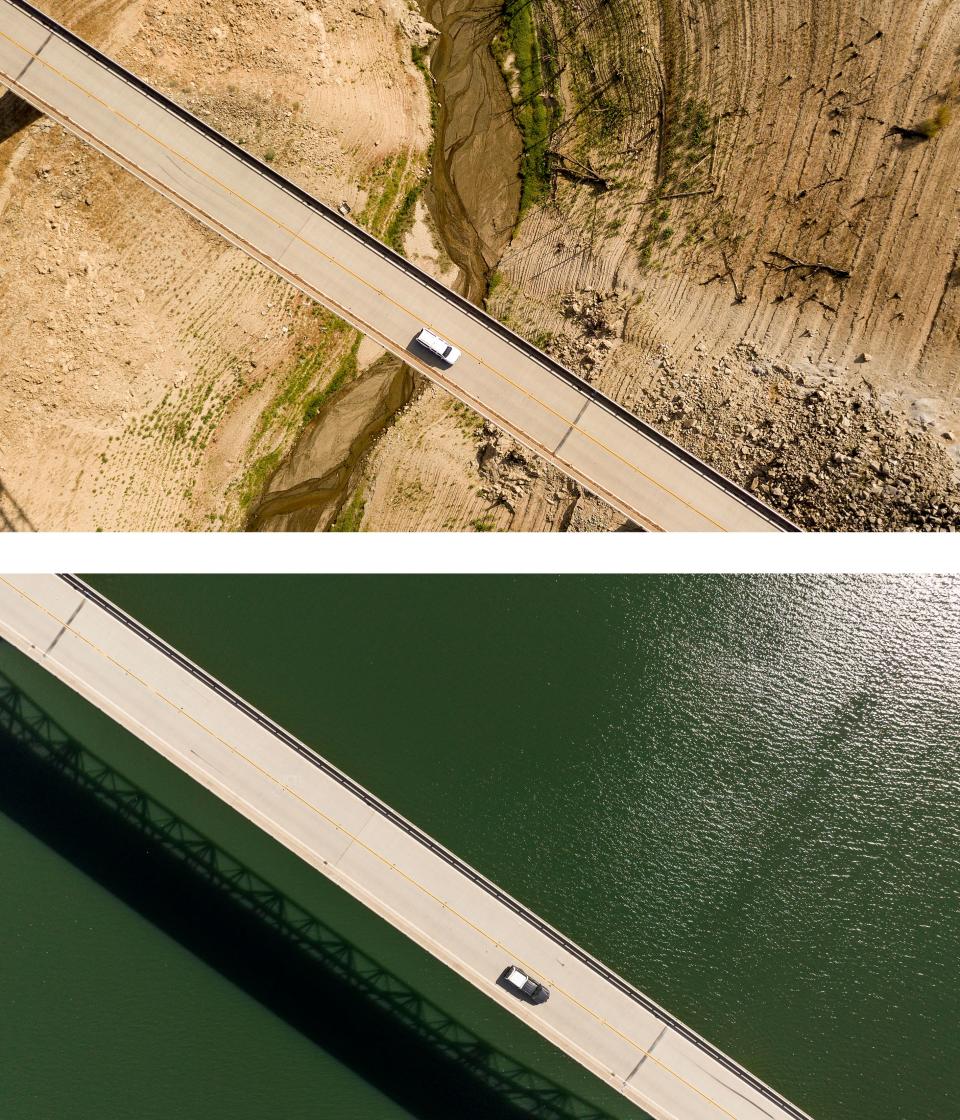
pixel 13 517
pixel 258 938
pixel 15 115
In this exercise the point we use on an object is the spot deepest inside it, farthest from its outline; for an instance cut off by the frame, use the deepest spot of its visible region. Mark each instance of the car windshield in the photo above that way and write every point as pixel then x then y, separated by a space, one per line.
pixel 446 352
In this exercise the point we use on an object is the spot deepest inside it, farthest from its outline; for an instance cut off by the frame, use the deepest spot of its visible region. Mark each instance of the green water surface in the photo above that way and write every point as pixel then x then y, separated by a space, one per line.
pixel 740 792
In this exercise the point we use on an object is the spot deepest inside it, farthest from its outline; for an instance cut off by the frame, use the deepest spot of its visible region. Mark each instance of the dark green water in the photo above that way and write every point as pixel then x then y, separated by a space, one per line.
pixel 746 796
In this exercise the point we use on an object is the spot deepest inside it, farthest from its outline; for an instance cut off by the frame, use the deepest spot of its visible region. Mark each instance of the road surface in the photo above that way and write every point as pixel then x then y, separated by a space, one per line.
pixel 546 407
pixel 378 856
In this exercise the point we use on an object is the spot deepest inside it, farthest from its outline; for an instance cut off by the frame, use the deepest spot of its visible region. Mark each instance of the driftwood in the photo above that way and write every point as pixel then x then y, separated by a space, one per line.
pixel 681 194
pixel 819 186
pixel 740 297
pixel 569 166
pixel 907 133
pixel 812 266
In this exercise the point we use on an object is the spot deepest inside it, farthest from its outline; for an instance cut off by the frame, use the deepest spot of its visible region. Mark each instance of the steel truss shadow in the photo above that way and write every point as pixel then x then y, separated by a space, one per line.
pixel 15 115
pixel 13 518
pixel 284 956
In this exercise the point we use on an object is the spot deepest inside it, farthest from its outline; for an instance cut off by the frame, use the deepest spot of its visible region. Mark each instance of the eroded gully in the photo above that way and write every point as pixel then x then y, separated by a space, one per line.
pixel 473 196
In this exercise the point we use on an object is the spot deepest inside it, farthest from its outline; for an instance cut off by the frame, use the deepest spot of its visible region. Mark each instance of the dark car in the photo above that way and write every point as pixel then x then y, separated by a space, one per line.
pixel 515 980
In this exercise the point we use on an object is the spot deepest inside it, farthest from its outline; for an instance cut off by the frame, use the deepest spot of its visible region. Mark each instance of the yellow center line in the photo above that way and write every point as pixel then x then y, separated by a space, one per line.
pixel 356 840
pixel 339 264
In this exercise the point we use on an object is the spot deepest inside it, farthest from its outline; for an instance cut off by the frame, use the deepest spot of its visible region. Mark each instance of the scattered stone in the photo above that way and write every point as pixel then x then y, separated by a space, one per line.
pixel 831 457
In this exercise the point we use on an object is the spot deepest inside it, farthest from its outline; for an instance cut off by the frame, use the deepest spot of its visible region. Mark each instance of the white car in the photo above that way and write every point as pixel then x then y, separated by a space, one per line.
pixel 515 980
pixel 438 346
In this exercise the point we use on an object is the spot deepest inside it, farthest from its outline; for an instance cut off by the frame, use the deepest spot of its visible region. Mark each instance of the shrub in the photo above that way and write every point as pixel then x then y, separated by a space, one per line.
pixel 932 125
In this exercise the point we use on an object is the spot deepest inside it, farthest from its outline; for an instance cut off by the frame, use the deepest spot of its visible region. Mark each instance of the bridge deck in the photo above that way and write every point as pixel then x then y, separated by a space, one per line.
pixel 379 857
pixel 545 406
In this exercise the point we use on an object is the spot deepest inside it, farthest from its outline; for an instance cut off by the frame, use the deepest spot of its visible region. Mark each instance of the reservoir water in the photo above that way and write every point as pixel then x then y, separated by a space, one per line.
pixel 739 792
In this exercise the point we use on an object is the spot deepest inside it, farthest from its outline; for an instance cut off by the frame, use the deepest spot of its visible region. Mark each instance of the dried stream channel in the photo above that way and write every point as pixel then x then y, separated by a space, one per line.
pixel 474 191
pixel 308 489
pixel 473 196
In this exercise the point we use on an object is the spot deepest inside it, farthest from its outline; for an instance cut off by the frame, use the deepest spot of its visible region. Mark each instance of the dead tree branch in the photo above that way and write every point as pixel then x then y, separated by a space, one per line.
pixel 569 166
pixel 813 267
pixel 740 297
pixel 681 194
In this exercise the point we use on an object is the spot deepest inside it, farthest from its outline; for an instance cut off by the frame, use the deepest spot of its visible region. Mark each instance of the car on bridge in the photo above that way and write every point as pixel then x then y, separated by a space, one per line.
pixel 438 346
pixel 515 980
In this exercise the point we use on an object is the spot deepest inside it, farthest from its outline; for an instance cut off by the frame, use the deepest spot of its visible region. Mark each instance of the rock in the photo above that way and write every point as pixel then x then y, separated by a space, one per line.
pixel 486 454
pixel 864 357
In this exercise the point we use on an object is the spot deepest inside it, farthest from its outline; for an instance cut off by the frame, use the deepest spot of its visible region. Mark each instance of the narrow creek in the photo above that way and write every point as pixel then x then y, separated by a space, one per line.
pixel 473 197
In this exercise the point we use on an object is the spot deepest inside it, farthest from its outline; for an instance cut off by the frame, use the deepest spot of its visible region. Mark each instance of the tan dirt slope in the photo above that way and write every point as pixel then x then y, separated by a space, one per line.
pixel 767 221
pixel 151 374
pixel 797 158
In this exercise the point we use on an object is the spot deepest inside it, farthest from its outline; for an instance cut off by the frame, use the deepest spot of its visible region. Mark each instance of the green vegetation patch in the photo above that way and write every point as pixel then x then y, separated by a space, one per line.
pixel 421 59
pixel 253 482
pixel 383 186
pixel 349 518
pixel 292 403
pixel 402 221
pixel 532 104
pixel 346 371
pixel 687 146
pixel 288 403
pixel 393 189
pixel 684 170
pixel 937 123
